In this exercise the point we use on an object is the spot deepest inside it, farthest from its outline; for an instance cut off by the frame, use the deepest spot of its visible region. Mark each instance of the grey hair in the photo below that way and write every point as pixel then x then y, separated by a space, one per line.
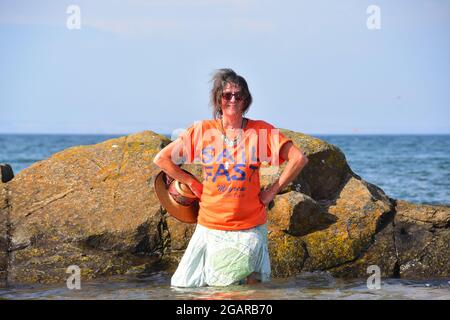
pixel 219 79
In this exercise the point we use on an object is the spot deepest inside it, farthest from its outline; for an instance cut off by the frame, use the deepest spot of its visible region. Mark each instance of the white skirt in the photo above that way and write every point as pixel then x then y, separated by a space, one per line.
pixel 221 258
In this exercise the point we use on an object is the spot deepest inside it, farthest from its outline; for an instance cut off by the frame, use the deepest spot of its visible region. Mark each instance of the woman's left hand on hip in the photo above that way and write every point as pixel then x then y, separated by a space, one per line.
pixel 266 196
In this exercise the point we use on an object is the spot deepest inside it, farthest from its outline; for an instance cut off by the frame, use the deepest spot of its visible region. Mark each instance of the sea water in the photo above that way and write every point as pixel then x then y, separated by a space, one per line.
pixel 308 285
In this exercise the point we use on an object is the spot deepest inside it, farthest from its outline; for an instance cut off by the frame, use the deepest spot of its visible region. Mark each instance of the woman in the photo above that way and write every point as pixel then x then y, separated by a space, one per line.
pixel 229 245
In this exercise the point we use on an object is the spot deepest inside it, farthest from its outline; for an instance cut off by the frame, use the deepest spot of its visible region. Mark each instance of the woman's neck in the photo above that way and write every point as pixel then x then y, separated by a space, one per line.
pixel 233 122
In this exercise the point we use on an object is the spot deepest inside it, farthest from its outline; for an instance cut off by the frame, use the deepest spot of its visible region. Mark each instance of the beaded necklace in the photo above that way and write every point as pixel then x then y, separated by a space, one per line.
pixel 228 141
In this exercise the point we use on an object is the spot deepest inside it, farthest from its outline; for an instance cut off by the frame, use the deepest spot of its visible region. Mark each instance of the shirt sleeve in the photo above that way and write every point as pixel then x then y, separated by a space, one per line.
pixel 190 142
pixel 276 140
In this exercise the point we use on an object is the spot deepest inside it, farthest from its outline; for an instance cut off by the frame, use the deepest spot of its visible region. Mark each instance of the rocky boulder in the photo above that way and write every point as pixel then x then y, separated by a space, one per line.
pixel 95 207
pixel 415 244
pixel 4 233
pixel 326 170
pixel 90 206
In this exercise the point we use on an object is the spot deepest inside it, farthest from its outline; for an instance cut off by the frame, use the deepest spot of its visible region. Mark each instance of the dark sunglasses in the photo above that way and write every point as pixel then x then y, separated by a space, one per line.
pixel 238 96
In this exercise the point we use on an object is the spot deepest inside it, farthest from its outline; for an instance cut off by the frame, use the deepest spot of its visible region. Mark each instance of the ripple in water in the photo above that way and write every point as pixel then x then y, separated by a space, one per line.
pixel 316 285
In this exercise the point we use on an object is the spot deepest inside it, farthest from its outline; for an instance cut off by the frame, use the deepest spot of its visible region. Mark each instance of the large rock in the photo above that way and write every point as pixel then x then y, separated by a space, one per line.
pixel 91 206
pixel 298 214
pixel 6 172
pixel 414 245
pixel 346 225
pixel 422 240
pixel 287 253
pixel 326 170
pixel 4 232
pixel 95 207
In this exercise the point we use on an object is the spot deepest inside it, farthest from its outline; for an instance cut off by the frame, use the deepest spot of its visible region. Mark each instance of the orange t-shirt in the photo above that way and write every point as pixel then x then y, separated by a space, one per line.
pixel 231 174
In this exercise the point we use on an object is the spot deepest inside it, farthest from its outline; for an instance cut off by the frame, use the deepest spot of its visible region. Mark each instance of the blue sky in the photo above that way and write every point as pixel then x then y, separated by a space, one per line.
pixel 312 67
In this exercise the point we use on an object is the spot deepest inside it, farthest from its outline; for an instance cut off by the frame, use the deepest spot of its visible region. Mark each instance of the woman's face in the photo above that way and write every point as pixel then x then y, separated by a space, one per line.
pixel 232 100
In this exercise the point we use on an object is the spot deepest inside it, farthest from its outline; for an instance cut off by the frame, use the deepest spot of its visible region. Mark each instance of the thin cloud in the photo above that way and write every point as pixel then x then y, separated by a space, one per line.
pixel 135 28
pixel 146 18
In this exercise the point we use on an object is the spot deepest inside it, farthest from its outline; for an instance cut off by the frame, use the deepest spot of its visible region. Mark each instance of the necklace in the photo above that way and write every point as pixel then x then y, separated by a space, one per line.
pixel 228 141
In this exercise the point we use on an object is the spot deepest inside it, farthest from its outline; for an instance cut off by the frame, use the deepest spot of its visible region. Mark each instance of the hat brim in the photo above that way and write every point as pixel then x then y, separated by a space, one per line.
pixel 186 214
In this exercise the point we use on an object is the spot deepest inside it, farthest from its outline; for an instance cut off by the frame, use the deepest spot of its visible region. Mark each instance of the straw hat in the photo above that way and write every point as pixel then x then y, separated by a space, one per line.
pixel 176 197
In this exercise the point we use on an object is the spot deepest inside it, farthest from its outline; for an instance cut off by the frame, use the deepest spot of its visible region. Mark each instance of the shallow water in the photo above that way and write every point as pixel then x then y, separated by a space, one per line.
pixel 317 285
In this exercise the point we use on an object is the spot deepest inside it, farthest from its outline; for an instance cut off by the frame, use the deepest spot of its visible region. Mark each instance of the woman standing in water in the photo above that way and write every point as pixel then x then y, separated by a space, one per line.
pixel 229 245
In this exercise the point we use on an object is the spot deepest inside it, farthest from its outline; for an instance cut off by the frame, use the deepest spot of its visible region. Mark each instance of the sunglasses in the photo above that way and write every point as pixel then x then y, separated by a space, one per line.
pixel 238 96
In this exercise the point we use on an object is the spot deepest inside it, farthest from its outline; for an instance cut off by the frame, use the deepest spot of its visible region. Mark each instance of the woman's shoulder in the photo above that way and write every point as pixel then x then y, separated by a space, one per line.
pixel 202 123
pixel 209 122
pixel 260 124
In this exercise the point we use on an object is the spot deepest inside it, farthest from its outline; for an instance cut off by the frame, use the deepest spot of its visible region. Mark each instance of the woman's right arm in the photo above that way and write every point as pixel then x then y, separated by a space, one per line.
pixel 164 160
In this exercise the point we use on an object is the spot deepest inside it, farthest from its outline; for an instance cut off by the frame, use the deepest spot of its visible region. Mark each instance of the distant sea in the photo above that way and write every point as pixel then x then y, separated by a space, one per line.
pixel 409 167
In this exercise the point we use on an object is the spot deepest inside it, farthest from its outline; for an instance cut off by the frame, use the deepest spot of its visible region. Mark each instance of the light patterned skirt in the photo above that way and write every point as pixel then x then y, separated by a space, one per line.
pixel 221 258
